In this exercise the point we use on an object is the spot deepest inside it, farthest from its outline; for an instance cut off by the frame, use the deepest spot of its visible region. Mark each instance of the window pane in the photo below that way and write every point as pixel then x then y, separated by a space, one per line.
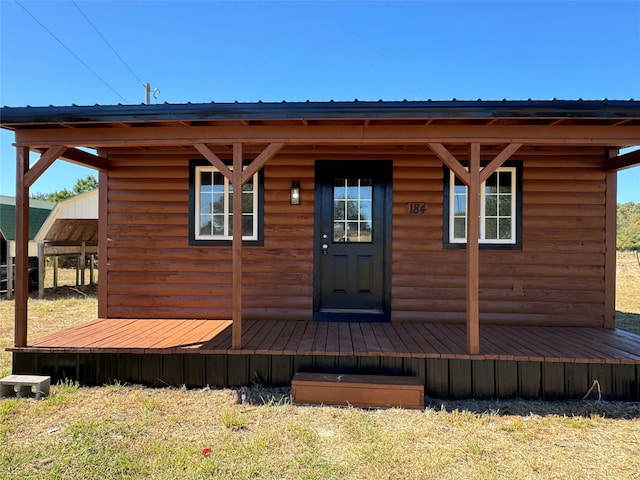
pixel 205 225
pixel 505 205
pixel 338 210
pixel 365 210
pixel 365 232
pixel 247 225
pixel 491 184
pixel 206 203
pixel 505 229
pixel 247 202
pixel 352 232
pixel 352 210
pixel 352 188
pixel 460 205
pixel 491 228
pixel 460 190
pixel 366 188
pixel 218 225
pixel 459 228
pixel 338 232
pixel 491 205
pixel 505 182
pixel 206 182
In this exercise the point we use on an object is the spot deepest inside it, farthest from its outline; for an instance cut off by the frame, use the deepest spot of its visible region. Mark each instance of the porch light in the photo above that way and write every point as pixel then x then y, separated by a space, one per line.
pixel 295 193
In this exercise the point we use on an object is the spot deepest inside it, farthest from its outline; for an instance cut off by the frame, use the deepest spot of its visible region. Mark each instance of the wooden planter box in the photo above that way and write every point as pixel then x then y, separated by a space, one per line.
pixel 368 391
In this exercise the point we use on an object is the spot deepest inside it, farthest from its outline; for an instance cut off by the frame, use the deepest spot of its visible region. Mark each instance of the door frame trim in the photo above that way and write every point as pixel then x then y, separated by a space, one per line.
pixel 385 169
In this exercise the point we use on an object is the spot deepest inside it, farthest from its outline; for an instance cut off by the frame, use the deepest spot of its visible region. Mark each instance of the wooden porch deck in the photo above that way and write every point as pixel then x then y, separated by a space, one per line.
pixel 299 338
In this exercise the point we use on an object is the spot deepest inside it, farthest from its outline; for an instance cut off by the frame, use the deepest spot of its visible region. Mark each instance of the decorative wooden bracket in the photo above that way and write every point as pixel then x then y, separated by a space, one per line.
pixel 41 165
pixel 249 171
pixel 620 162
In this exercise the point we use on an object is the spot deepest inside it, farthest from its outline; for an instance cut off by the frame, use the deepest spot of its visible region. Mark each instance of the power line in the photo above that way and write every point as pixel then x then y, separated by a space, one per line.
pixel 71 51
pixel 107 42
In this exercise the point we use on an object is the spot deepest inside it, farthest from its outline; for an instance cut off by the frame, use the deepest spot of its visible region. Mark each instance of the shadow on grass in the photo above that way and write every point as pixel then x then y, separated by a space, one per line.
pixel 542 408
pixel 628 321
pixel 279 396
pixel 66 292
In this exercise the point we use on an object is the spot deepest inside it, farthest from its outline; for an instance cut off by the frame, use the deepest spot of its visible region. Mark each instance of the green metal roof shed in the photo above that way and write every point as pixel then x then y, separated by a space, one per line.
pixel 39 210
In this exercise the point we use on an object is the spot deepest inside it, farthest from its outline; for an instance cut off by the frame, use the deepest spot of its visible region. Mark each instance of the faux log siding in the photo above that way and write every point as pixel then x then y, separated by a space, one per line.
pixel 154 272
pixel 556 279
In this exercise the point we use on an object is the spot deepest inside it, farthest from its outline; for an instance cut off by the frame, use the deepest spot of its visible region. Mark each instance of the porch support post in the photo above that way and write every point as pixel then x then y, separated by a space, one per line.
pixel 236 301
pixel 611 212
pixel 473 252
pixel 103 238
pixel 22 248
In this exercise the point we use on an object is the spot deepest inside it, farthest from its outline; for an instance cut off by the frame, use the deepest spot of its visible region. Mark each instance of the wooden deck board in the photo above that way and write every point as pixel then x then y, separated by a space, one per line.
pixel 549 344
pixel 357 339
pixel 332 346
pixel 440 346
pixel 345 340
pixel 294 342
pixel 266 345
pixel 280 344
pixel 320 338
pixel 370 340
pixel 305 345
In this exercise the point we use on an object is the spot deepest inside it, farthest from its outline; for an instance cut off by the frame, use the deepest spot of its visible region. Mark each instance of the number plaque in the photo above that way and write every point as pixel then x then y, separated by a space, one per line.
pixel 417 208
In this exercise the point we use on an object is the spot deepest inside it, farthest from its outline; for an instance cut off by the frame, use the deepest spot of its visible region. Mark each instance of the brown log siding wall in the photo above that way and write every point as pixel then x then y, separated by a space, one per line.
pixel 556 279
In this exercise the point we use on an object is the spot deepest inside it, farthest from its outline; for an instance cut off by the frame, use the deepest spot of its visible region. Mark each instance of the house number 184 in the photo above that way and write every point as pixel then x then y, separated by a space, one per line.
pixel 417 208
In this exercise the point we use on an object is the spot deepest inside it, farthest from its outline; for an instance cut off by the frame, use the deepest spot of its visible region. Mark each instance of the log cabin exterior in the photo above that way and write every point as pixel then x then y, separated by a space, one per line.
pixel 356 252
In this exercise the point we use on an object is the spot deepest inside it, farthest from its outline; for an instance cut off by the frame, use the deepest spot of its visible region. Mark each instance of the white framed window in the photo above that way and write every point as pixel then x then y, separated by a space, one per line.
pixel 498 208
pixel 213 206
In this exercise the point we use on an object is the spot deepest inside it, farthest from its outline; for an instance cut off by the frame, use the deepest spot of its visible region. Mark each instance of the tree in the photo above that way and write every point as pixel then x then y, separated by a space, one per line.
pixel 82 185
pixel 628 237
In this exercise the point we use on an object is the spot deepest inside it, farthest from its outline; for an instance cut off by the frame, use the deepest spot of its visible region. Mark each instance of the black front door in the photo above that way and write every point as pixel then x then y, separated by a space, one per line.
pixel 352 237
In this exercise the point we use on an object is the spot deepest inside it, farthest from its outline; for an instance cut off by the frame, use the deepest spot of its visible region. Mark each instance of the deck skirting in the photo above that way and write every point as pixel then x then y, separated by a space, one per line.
pixel 443 378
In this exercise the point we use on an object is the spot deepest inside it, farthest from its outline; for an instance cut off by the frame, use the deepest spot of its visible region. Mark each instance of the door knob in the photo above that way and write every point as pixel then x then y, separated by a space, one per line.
pixel 325 248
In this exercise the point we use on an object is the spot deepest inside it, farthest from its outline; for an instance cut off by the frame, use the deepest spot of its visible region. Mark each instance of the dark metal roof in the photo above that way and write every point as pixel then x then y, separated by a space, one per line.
pixel 14 118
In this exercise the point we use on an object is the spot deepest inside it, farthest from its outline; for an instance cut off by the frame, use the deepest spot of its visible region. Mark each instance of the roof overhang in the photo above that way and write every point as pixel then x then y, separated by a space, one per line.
pixel 479 112
pixel 605 123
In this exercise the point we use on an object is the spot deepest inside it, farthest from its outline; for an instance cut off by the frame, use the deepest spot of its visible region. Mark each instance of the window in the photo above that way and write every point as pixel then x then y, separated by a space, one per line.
pixel 211 207
pixel 500 209
pixel 352 209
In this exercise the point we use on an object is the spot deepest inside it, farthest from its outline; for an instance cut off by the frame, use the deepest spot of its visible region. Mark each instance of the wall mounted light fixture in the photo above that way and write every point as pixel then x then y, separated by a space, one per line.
pixel 295 193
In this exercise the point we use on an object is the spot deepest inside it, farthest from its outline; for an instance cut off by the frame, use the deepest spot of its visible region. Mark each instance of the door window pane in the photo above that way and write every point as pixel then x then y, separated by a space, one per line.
pixel 352 209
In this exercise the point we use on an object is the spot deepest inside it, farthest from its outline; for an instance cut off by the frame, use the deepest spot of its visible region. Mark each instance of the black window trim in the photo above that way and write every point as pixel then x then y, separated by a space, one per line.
pixel 192 207
pixel 517 164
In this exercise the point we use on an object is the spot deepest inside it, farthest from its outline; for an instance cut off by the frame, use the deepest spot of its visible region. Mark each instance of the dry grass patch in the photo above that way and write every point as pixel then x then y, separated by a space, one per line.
pixel 628 292
pixel 66 307
pixel 135 432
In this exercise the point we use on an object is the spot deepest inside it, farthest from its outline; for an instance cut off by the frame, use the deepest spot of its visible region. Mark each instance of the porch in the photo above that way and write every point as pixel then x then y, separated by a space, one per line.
pixel 529 362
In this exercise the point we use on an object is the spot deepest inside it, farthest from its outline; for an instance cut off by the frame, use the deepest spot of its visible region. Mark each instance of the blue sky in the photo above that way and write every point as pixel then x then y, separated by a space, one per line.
pixel 272 51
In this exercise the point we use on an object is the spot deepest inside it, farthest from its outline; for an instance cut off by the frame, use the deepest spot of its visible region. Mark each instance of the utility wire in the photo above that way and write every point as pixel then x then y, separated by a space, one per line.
pixel 71 51
pixel 107 42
